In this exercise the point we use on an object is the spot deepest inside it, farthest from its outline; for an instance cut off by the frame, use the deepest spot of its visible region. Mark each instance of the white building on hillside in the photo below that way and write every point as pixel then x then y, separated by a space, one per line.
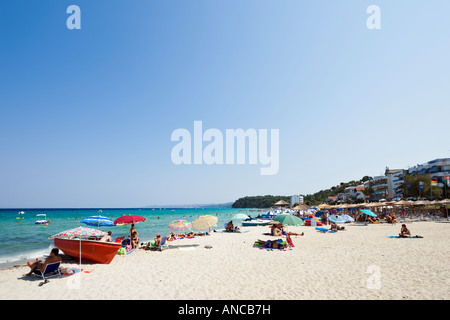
pixel 354 193
pixel 296 198
pixel 380 187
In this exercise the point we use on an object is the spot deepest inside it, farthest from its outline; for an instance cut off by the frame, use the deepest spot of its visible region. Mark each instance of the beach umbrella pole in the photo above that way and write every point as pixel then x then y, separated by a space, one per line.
pixel 80 256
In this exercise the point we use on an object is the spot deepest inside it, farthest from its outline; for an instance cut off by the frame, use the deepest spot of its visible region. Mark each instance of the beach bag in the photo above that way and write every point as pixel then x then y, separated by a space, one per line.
pixel 128 248
pixel 122 251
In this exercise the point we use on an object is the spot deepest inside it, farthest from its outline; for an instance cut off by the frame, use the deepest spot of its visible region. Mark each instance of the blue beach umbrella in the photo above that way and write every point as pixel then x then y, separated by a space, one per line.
pixel 98 221
pixel 336 219
pixel 347 218
pixel 368 212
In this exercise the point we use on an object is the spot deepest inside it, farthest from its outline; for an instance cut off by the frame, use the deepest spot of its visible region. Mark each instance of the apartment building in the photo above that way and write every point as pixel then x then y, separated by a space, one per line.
pixel 438 169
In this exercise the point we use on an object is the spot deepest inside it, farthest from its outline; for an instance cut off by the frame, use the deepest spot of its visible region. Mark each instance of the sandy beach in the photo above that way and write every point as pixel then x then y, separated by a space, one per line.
pixel 360 262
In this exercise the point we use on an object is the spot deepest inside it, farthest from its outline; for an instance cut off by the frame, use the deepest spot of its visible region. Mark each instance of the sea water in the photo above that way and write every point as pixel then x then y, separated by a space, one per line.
pixel 23 239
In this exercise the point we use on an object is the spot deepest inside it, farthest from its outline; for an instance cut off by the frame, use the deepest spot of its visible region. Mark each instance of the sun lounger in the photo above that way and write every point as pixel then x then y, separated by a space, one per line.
pixel 162 245
pixel 51 269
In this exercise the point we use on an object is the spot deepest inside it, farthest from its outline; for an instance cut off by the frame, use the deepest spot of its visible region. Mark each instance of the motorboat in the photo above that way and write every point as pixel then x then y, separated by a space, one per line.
pixel 91 250
pixel 21 212
pixel 255 222
pixel 41 218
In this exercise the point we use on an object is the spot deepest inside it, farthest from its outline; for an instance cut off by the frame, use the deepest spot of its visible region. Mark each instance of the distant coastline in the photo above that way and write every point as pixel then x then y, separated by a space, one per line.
pixel 169 206
pixel 192 206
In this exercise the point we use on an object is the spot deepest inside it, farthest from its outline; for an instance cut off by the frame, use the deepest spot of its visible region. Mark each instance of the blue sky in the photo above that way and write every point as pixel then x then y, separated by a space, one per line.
pixel 86 115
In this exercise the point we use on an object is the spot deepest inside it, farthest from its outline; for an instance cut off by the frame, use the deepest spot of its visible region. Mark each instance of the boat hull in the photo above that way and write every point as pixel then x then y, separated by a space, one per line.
pixel 255 223
pixel 94 251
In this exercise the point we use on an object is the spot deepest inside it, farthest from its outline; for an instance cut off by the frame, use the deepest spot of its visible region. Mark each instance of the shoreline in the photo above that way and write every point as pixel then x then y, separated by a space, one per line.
pixel 342 265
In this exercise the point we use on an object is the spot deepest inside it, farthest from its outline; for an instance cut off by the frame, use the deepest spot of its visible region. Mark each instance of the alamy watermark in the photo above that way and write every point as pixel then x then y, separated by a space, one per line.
pixel 236 146
pixel 373 282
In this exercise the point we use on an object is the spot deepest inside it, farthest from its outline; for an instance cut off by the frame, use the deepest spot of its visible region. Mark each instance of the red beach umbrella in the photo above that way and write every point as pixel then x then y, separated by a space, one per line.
pixel 129 219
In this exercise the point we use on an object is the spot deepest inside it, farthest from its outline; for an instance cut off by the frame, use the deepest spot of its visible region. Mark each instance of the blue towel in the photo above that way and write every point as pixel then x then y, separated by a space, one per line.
pixel 397 237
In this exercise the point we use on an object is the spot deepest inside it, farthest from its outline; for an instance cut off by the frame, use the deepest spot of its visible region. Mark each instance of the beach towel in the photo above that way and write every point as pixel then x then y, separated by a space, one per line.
pixel 272 249
pixel 236 231
pixel 410 237
pixel 289 241
pixel 265 245
pixel 69 271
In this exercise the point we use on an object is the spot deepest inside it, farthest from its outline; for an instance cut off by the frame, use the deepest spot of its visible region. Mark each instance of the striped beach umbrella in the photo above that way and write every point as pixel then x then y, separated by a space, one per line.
pixel 98 221
pixel 179 226
pixel 337 219
pixel 80 232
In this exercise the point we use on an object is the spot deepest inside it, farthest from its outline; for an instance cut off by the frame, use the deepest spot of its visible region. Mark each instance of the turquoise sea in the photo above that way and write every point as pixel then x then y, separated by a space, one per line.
pixel 24 240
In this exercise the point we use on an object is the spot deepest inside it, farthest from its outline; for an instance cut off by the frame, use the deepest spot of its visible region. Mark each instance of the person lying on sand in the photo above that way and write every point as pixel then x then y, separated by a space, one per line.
pixel 278 230
pixel 272 244
pixel 294 234
pixel 171 237
pixel 38 264
pixel 335 227
pixel 372 220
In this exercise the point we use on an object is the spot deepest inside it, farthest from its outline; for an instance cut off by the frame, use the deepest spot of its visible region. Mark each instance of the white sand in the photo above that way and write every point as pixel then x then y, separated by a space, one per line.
pixel 358 263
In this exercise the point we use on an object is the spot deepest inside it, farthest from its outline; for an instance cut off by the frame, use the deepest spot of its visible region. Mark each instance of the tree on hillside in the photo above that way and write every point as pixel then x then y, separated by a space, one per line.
pixel 411 186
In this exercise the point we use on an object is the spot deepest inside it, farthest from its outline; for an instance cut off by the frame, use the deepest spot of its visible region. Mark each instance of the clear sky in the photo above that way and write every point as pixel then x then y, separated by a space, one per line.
pixel 86 115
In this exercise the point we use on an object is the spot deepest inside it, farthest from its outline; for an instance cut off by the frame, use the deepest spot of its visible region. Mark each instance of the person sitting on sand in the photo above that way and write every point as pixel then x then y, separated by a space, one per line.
pixel 394 218
pixel 335 227
pixel 404 232
pixel 106 237
pixel 38 264
pixel 276 230
pixel 230 227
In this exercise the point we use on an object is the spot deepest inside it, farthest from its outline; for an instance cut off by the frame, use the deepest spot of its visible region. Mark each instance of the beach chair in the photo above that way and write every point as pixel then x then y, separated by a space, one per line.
pixel 162 245
pixel 51 269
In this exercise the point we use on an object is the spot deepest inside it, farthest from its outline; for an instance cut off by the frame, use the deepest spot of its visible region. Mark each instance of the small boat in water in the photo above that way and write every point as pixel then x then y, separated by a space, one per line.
pixel 21 212
pixel 255 222
pixel 41 218
pixel 91 250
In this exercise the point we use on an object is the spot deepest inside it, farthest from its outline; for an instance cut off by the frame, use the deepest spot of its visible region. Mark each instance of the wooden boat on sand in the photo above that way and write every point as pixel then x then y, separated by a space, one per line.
pixel 91 250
